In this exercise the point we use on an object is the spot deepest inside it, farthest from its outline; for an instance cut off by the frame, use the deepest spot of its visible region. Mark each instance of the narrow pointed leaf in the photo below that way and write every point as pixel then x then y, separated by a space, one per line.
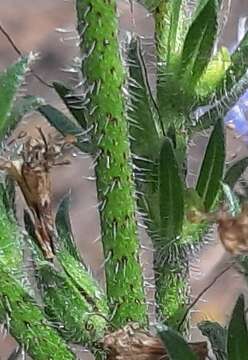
pixel 231 199
pixel 171 192
pixel 175 345
pixel 64 230
pixel 214 73
pixel 174 22
pixel 73 103
pixel 217 336
pixel 65 126
pixel 237 344
pixel 199 41
pixel 234 172
pixel 236 70
pixel 10 81
pixel 143 127
pixel 212 167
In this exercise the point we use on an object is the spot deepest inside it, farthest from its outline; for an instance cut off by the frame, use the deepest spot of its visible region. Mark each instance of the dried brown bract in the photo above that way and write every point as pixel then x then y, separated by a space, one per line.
pixel 32 173
pixel 133 343
pixel 233 230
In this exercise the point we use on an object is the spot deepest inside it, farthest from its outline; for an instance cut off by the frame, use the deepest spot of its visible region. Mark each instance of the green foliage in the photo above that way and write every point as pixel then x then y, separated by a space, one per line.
pixel 27 322
pixel 226 344
pixel 65 126
pixel 217 335
pixel 237 341
pixel 199 41
pixel 170 193
pixel 211 172
pixel 234 171
pixel 176 346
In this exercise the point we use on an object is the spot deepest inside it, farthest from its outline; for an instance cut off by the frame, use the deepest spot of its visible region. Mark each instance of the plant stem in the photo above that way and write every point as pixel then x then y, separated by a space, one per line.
pixel 24 319
pixel 27 323
pixel 102 67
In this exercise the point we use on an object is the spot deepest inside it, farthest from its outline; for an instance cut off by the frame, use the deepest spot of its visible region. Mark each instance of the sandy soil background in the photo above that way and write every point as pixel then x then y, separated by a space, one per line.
pixel 32 24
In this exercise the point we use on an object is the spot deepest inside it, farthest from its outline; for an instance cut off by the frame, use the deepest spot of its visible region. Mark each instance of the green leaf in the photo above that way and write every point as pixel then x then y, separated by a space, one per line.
pixel 237 343
pixel 10 81
pixel 234 172
pixel 212 167
pixel 214 73
pixel 217 336
pixel 141 114
pixel 73 103
pixel 21 107
pixel 174 23
pixel 65 126
pixel 64 230
pixel 199 41
pixel 171 192
pixel 236 70
pixel 231 199
pixel 175 345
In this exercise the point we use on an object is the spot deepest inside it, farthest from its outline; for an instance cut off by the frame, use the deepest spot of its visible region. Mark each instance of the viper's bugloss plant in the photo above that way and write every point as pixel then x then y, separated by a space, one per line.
pixel 138 138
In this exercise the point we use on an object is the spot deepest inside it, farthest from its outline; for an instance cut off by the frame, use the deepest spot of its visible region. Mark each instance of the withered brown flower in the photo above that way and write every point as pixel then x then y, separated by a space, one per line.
pixel 32 174
pixel 233 230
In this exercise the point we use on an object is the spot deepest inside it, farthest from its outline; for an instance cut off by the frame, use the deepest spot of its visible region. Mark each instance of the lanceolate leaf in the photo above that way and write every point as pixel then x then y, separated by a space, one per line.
pixel 237 69
pixel 212 167
pixel 174 24
pixel 237 344
pixel 214 73
pixel 64 125
pixel 143 127
pixel 234 172
pixel 174 343
pixel 231 199
pixel 64 230
pixel 171 193
pixel 199 42
pixel 217 336
pixel 10 81
pixel 73 103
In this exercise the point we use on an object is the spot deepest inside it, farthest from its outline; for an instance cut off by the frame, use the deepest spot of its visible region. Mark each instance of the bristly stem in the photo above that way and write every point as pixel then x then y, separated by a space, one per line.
pixel 103 70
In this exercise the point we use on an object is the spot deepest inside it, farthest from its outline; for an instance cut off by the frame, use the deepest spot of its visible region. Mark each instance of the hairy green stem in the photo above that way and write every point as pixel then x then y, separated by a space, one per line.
pixel 27 323
pixel 25 320
pixel 103 70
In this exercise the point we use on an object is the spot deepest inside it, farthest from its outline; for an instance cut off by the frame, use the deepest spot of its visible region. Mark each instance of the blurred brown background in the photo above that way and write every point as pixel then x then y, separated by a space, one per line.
pixel 32 25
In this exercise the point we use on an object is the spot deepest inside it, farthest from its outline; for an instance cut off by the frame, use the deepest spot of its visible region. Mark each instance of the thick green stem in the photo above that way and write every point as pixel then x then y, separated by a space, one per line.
pixel 172 288
pixel 25 319
pixel 103 70
pixel 172 273
pixel 27 323
pixel 72 299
